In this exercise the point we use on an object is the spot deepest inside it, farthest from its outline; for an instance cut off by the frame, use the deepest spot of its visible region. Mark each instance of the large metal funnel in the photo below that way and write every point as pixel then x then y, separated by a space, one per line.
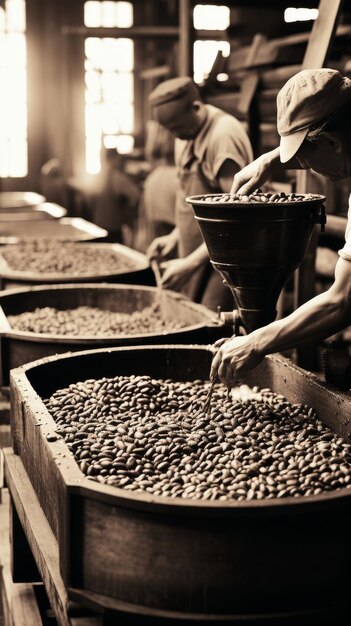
pixel 256 246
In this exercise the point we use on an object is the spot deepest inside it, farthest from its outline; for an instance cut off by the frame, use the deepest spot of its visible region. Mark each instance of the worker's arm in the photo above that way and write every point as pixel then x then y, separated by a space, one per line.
pixel 319 318
pixel 254 175
pixel 177 272
pixel 161 247
pixel 226 173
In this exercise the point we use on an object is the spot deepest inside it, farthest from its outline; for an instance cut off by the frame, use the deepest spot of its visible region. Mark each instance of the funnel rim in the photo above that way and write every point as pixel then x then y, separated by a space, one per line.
pixel 198 200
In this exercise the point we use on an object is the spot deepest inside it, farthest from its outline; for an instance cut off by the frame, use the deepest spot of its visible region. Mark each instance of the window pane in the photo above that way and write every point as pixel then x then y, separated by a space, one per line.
pixel 17 122
pixel 93 50
pixel 2 20
pixel 292 14
pixel 4 157
pixel 109 80
pixel 92 158
pixel 13 90
pixel 18 164
pixel 126 118
pixel 108 14
pixel 125 143
pixel 109 84
pixel 125 87
pixel 204 55
pixel 109 54
pixel 211 17
pixel 15 15
pixel 3 50
pixel 17 86
pixel 16 49
pixel 125 55
pixel 110 119
pixel 124 14
pixel 92 13
pixel 93 119
pixel 93 85
pixel 110 141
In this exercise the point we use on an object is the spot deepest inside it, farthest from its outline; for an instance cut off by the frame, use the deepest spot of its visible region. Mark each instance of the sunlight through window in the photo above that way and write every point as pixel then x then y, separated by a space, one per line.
pixel 13 81
pixel 292 14
pixel 211 17
pixel 205 52
pixel 109 82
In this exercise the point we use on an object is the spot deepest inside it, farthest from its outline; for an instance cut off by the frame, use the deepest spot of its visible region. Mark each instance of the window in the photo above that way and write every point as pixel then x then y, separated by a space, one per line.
pixel 13 87
pixel 300 15
pixel 109 83
pixel 209 17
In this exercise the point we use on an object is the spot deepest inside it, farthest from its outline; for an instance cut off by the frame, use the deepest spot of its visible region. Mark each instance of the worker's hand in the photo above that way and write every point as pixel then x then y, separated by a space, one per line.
pixel 234 358
pixel 161 247
pixel 256 173
pixel 176 273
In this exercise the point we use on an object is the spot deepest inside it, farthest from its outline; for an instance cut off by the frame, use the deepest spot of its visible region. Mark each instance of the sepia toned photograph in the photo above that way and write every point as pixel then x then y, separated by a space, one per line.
pixel 175 312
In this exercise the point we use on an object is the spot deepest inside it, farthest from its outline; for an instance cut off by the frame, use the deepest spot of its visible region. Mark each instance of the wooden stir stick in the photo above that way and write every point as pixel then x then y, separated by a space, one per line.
pixel 156 270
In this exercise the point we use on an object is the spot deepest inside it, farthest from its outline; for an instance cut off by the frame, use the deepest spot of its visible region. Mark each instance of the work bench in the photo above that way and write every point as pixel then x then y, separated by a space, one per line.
pixel 34 593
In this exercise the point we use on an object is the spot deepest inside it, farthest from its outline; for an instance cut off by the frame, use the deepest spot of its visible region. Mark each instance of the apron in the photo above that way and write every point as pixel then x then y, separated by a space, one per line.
pixel 206 284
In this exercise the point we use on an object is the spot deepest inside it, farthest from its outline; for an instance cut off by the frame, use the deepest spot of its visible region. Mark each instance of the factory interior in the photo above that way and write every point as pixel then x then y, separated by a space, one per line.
pixel 175 324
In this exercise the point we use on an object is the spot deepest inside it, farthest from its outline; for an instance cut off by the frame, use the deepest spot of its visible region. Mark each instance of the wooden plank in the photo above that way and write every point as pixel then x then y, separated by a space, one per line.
pixel 134 32
pixel 44 547
pixel 185 56
pixel 23 566
pixel 322 34
pixel 18 600
pixel 39 535
pixel 316 55
pixel 5 436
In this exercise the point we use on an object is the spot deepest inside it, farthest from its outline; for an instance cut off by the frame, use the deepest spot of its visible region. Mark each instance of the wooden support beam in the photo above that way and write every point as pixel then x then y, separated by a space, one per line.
pixel 134 31
pixel 18 601
pixel 322 34
pixel 39 535
pixel 185 27
pixel 316 55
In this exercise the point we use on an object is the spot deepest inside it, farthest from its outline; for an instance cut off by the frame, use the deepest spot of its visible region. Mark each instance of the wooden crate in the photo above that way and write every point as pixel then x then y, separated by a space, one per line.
pixel 172 557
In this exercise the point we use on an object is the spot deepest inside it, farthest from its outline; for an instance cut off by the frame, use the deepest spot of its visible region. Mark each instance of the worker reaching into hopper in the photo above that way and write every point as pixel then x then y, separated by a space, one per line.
pixel 211 147
pixel 314 123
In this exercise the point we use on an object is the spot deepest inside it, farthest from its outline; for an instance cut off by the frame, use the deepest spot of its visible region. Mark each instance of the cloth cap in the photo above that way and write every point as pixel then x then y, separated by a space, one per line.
pixel 171 98
pixel 307 98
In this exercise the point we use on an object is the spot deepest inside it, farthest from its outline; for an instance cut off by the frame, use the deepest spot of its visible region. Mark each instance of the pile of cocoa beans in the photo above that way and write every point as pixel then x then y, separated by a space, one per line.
pixel 93 322
pixel 148 435
pixel 257 196
pixel 52 257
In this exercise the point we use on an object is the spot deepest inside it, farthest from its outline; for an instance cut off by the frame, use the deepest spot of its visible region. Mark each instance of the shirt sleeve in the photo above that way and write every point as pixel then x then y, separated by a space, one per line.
pixel 229 141
pixel 345 252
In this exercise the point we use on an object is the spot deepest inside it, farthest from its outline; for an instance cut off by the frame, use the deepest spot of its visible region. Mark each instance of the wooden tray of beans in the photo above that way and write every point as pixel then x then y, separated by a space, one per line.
pixel 51 319
pixel 42 262
pixel 27 213
pixel 62 229
pixel 164 510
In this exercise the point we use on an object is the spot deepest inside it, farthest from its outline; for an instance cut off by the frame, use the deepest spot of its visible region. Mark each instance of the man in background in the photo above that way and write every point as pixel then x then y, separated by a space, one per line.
pixel 211 147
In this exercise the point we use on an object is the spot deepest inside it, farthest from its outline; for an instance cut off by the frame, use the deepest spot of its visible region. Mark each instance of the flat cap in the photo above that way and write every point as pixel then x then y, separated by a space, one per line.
pixel 308 98
pixel 179 88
